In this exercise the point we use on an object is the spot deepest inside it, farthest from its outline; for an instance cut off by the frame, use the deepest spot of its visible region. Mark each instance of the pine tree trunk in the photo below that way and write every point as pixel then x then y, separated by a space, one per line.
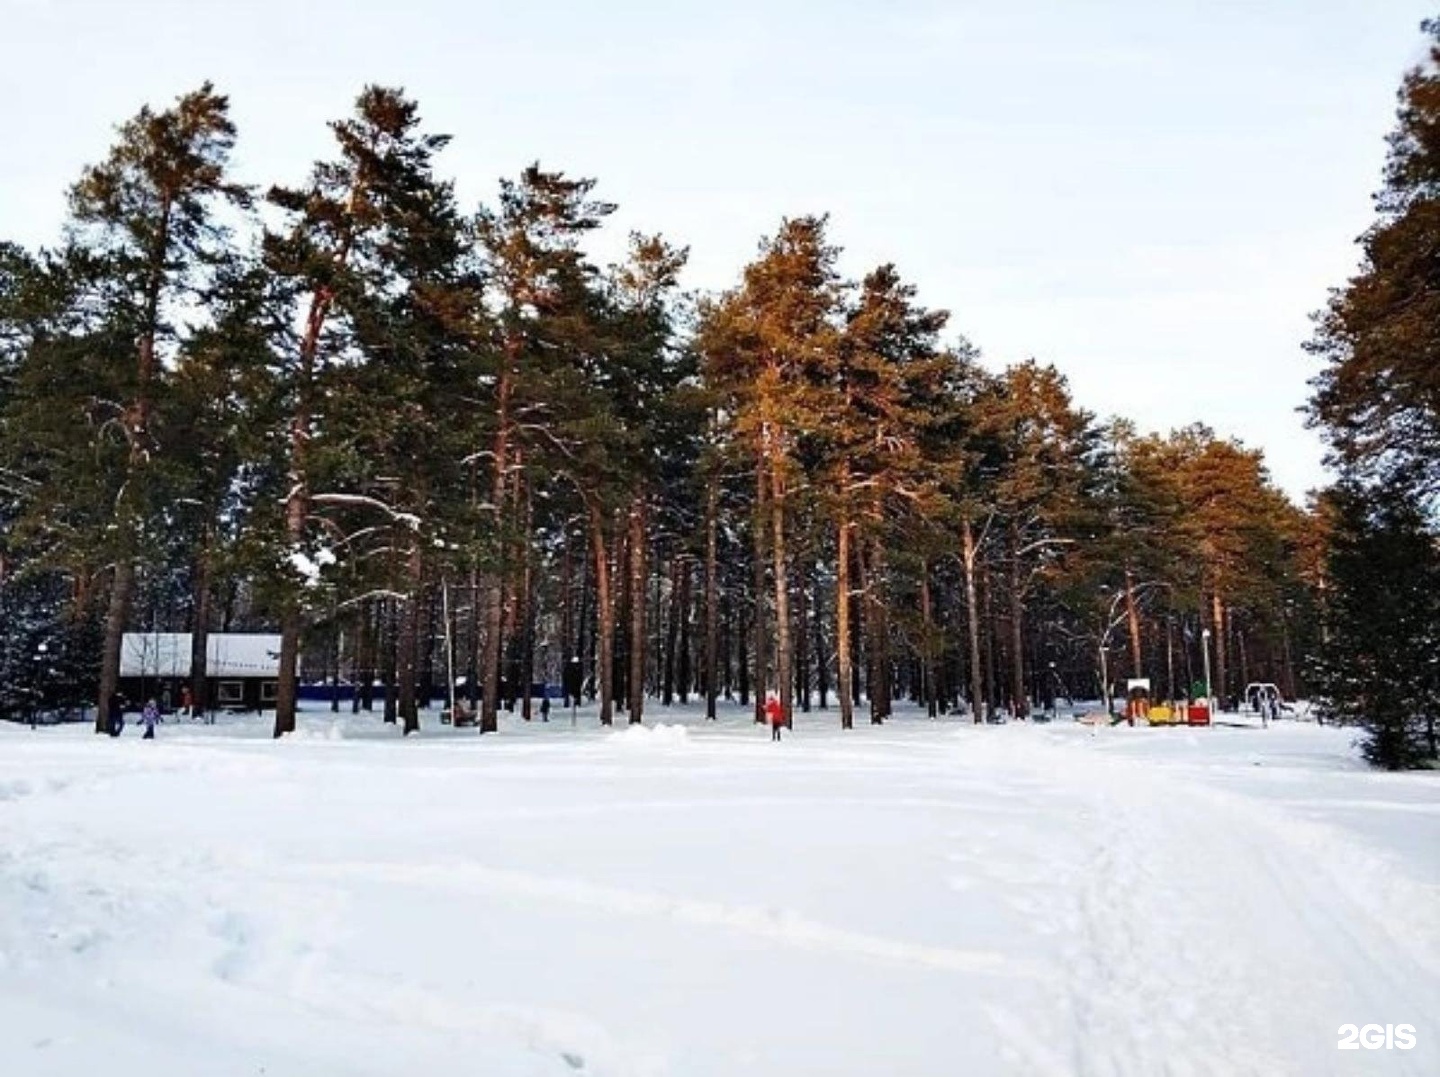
pixel 435 628
pixel 1243 653
pixel 494 576
pixel 712 595
pixel 1132 617
pixel 525 615
pixel 365 659
pixel 637 611
pixel 684 673
pixel 859 624
pixel 927 672
pixel 655 644
pixel 605 616
pixel 117 615
pixel 817 645
pixel 620 566
pixel 337 652
pixel 743 633
pixel 842 624
pixel 759 650
pixel 408 640
pixel 200 626
pixel 970 554
pixel 726 647
pixel 567 614
pixel 802 640
pixel 878 634
pixel 1020 706
pixel 671 657
pixel 585 627
pixel 782 594
pixel 1217 607
pixel 389 675
pixel 992 673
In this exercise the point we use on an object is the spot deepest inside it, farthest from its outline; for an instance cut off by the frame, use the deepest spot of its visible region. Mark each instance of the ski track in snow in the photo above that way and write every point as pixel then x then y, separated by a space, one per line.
pixel 775 924
pixel 922 900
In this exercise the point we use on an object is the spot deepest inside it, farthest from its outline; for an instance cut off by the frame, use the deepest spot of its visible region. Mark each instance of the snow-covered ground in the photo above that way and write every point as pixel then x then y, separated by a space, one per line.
pixel 689 899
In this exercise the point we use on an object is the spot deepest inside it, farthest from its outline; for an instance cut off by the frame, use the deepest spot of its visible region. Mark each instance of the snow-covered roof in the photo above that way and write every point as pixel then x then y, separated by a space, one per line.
pixel 228 654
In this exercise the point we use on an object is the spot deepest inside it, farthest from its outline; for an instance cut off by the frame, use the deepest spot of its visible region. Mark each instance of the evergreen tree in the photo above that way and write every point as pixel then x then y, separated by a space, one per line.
pixel 889 397
pixel 68 367
pixel 769 344
pixel 1047 448
pixel 1379 667
pixel 1378 397
pixel 222 463
pixel 150 210
pixel 545 302
pixel 337 256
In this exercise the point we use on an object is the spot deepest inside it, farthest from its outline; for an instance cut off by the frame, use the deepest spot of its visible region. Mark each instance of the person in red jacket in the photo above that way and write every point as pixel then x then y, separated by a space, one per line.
pixel 776 715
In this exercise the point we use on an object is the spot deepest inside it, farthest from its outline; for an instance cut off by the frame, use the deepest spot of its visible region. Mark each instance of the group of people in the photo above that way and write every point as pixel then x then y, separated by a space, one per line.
pixel 149 717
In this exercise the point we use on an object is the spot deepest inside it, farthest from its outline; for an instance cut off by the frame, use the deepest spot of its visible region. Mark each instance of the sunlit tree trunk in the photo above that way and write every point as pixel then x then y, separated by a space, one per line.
pixel 844 673
pixel 604 616
pixel 969 554
pixel 712 595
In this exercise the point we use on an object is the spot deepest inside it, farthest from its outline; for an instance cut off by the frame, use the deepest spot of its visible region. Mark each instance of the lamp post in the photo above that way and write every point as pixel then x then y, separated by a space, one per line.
pixel 574 681
pixel 42 655
pixel 1205 654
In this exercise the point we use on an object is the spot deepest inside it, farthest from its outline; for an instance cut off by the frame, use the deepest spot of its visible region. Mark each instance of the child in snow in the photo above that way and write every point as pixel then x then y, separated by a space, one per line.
pixel 776 715
pixel 150 715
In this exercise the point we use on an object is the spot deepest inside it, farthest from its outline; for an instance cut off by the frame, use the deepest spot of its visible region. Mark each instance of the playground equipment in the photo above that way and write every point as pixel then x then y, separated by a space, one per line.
pixel 1137 698
pixel 1163 714
pixel 1138 704
pixel 1264 699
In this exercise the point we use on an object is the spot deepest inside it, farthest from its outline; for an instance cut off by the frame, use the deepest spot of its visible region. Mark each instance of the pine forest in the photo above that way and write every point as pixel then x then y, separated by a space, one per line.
pixel 442 450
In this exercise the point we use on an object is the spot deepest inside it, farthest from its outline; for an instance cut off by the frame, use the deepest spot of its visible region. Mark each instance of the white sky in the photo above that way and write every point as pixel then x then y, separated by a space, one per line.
pixel 1150 194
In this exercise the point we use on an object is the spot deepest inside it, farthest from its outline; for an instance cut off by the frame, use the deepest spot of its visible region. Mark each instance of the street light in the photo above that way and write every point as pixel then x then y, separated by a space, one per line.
pixel 37 700
pixel 1205 653
pixel 574 681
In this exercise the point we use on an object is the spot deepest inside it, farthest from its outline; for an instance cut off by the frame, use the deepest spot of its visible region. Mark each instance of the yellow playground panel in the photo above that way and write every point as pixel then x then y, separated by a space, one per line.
pixel 1162 715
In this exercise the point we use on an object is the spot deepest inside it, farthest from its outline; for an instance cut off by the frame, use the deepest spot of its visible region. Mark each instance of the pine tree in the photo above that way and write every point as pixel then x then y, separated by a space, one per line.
pixel 150 211
pixel 345 230
pixel 546 305
pixel 219 466
pixel 888 393
pixel 1046 455
pixel 766 347
pixel 1378 668
pixel 63 367
pixel 1378 398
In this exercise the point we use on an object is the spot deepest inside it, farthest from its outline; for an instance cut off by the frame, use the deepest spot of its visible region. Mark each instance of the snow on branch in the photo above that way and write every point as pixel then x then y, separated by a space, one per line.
pixel 379 592
pixel 409 519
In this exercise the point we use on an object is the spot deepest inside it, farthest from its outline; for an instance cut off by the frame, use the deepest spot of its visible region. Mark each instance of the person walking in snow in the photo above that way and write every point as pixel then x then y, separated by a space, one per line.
pixel 117 714
pixel 150 715
pixel 776 714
